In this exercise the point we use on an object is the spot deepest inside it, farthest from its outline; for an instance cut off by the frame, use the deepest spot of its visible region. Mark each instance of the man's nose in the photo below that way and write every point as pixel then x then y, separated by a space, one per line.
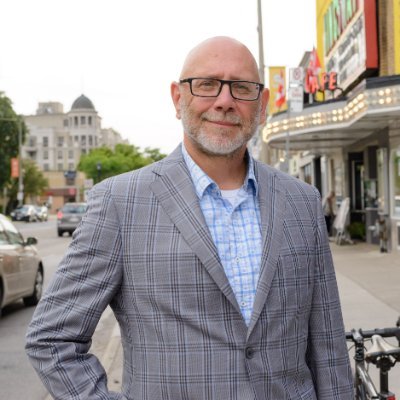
pixel 224 99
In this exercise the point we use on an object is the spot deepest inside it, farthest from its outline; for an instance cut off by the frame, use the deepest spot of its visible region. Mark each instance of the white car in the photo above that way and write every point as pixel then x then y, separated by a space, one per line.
pixel 21 269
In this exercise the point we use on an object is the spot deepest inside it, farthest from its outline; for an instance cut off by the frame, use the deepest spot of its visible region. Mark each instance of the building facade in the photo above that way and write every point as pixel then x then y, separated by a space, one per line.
pixel 348 138
pixel 58 139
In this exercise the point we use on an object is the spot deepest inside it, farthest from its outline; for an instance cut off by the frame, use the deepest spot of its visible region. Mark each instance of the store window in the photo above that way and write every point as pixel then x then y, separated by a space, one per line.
pixel 396 185
pixel 307 173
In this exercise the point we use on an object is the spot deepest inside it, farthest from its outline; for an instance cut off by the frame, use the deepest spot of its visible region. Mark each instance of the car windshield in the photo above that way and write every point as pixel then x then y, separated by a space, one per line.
pixel 74 209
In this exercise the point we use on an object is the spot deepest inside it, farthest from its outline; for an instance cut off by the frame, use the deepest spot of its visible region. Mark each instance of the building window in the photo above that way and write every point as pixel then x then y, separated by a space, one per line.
pixel 45 141
pixel 76 138
pixel 90 140
pixel 60 141
pixel 83 151
pixel 89 120
pixel 46 167
pixel 59 167
pixel 60 155
pixel 70 154
pixel 45 155
pixel 83 140
pixel 32 141
pixel 83 120
pixel 65 123
pixel 76 121
pixel 95 141
pixel 71 166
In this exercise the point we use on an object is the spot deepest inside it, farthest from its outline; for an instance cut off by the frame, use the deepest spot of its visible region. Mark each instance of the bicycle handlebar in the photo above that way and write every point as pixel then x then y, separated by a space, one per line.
pixel 384 332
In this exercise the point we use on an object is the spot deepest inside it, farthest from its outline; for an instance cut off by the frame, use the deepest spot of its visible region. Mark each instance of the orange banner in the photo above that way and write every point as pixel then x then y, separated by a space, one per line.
pixel 14 168
pixel 277 87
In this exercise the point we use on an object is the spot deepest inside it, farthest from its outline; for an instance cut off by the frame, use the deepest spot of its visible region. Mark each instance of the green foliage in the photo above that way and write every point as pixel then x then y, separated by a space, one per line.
pixel 33 180
pixel 9 125
pixel 103 162
pixel 356 230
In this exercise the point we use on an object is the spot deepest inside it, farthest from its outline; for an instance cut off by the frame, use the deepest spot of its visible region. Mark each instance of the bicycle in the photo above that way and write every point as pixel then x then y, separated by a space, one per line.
pixel 381 353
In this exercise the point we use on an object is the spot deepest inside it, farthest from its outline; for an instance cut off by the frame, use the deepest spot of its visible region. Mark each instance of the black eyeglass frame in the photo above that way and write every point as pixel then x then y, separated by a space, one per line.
pixel 223 82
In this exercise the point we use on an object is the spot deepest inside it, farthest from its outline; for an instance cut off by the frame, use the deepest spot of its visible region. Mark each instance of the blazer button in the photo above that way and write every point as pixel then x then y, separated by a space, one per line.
pixel 249 353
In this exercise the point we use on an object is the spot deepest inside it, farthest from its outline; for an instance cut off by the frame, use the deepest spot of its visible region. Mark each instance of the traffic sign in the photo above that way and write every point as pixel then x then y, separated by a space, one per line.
pixel 296 76
pixel 296 97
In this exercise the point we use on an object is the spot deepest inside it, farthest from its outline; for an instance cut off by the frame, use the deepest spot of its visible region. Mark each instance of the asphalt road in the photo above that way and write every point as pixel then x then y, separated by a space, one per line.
pixel 18 380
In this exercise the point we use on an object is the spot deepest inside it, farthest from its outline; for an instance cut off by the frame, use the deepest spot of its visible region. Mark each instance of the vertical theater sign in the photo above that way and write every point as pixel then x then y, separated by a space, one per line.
pixel 350 40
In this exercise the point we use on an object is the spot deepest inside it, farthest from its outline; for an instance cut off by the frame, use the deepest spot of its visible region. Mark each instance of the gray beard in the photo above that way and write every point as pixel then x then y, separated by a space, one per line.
pixel 220 144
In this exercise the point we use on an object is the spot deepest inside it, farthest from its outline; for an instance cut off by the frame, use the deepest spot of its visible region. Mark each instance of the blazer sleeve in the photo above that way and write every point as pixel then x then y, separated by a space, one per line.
pixel 59 335
pixel 327 354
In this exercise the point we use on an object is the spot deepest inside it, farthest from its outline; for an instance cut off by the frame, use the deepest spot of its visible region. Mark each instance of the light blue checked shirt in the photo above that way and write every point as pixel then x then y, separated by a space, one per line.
pixel 235 229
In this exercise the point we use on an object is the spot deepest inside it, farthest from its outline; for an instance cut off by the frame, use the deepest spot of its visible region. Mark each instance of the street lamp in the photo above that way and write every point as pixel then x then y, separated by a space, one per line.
pixel 98 165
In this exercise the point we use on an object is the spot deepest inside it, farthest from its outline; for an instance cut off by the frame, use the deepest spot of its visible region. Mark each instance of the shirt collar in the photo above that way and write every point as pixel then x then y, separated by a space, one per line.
pixel 202 181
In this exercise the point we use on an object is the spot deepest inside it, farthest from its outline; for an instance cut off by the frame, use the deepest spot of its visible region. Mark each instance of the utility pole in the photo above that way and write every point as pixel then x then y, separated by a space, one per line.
pixel 261 65
pixel 262 153
pixel 20 195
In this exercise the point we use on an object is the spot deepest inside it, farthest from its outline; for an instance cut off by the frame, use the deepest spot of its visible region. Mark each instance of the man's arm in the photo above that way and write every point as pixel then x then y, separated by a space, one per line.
pixel 327 351
pixel 59 335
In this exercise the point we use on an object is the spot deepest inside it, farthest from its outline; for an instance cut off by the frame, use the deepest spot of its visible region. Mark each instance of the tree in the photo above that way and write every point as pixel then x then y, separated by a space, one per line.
pixel 33 180
pixel 9 126
pixel 103 162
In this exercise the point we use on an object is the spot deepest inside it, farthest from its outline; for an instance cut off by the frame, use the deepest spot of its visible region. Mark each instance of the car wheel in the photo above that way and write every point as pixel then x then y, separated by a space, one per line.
pixel 37 290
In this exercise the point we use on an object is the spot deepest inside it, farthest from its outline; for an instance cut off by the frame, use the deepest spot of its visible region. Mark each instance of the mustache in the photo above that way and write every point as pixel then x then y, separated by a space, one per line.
pixel 222 117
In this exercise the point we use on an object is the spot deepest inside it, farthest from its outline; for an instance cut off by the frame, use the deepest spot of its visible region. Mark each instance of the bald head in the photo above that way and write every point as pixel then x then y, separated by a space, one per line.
pixel 219 56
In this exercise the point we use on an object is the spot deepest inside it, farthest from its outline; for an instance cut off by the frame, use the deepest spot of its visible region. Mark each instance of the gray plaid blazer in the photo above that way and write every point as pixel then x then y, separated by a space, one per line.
pixel 144 248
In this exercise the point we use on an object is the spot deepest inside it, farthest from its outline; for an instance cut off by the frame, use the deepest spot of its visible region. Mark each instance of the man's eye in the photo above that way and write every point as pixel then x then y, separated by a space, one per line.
pixel 207 84
pixel 241 88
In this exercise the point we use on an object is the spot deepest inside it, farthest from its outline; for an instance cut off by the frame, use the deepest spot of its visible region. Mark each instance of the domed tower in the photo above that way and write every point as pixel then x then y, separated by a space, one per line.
pixel 85 124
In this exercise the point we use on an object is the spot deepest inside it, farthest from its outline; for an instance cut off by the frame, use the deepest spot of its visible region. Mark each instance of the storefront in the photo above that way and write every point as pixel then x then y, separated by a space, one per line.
pixel 348 139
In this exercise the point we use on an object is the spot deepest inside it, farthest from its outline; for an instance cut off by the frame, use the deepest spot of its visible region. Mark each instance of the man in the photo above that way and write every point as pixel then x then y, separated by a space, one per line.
pixel 217 267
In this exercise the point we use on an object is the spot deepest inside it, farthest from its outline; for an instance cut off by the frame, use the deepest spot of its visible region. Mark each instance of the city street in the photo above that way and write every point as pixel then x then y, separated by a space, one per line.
pixel 368 283
pixel 18 380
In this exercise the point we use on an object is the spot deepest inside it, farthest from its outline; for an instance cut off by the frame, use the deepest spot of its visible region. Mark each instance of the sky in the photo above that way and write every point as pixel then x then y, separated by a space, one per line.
pixel 124 54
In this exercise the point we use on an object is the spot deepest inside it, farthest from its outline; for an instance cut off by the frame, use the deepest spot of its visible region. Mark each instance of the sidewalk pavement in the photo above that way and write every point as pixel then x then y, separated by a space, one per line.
pixel 369 286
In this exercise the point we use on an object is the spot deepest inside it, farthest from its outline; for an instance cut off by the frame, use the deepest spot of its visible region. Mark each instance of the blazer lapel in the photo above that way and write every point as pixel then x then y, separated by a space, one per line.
pixel 272 200
pixel 175 192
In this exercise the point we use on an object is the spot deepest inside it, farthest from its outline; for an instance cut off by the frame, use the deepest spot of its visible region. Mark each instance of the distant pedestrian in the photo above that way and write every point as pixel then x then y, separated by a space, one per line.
pixel 329 207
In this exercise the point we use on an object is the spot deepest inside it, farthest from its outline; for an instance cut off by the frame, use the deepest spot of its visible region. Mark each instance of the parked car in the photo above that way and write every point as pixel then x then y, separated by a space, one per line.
pixel 27 213
pixel 21 269
pixel 42 213
pixel 69 217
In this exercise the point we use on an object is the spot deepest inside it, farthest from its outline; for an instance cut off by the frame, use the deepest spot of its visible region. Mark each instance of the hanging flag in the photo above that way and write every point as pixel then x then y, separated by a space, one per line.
pixel 14 168
pixel 277 87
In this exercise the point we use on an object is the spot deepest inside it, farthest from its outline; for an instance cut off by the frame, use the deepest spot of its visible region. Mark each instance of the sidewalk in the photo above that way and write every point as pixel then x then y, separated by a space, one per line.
pixel 369 286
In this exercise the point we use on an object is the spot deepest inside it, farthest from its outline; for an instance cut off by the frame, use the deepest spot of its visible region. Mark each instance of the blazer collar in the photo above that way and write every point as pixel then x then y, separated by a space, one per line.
pixel 272 199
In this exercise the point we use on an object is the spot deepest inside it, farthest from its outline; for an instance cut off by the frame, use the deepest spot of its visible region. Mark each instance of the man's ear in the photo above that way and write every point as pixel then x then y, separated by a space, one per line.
pixel 176 97
pixel 264 103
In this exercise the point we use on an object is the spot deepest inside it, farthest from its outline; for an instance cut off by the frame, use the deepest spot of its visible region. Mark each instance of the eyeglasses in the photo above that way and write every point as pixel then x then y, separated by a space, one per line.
pixel 211 87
